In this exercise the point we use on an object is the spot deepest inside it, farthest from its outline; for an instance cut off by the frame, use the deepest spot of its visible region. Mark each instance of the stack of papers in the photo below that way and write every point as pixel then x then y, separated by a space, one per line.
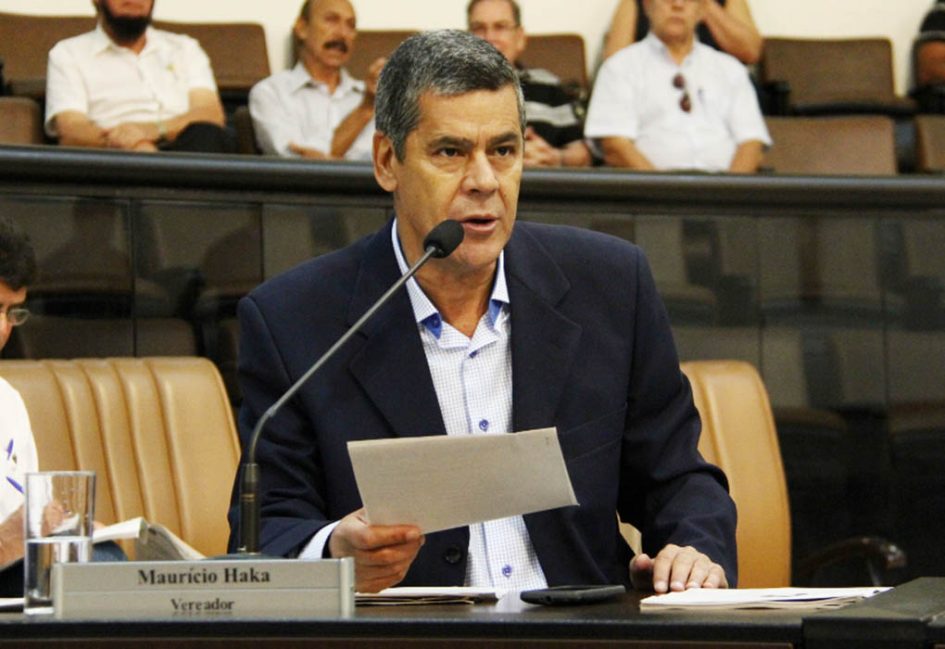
pixel 418 596
pixel 754 598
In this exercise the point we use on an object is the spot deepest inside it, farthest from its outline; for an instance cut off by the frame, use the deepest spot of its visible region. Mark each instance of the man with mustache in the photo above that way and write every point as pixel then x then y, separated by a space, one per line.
pixel 317 110
pixel 129 86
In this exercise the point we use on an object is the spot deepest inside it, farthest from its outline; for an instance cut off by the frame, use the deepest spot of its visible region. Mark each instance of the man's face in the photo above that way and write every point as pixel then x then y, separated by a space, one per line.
pixel 674 20
pixel 8 299
pixel 328 34
pixel 462 162
pixel 493 21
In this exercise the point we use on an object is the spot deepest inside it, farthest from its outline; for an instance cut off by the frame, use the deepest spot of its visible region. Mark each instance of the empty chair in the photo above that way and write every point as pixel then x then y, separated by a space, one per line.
pixel 930 143
pixel 20 121
pixel 851 145
pixel 372 44
pixel 823 76
pixel 25 42
pixel 562 54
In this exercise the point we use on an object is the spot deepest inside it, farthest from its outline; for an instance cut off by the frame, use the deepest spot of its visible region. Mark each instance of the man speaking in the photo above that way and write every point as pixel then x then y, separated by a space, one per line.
pixel 524 326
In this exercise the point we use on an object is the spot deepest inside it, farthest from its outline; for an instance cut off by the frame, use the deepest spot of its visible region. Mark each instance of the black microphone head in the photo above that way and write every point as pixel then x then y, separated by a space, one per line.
pixel 444 238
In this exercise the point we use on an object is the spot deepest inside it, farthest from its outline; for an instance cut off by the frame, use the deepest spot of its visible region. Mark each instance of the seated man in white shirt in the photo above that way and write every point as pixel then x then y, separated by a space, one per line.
pixel 129 86
pixel 670 102
pixel 317 110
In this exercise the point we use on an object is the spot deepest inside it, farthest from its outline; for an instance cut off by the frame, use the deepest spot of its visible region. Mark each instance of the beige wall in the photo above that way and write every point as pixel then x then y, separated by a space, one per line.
pixel 897 19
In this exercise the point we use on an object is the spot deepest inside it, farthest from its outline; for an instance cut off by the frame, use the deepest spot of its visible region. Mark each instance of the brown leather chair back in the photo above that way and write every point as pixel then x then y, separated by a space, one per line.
pixel 158 432
pixel 562 54
pixel 372 44
pixel 25 41
pixel 20 121
pixel 849 145
pixel 930 143
pixel 739 436
pixel 830 71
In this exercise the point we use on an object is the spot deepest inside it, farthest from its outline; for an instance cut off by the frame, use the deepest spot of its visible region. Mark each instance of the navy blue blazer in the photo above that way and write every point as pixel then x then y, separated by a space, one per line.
pixel 592 354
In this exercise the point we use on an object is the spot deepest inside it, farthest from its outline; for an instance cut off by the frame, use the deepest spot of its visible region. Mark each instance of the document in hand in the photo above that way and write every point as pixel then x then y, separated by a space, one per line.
pixel 743 598
pixel 153 542
pixel 446 481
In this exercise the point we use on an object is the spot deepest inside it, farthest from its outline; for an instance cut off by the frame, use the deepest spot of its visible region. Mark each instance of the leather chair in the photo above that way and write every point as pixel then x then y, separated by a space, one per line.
pixel 158 432
pixel 739 435
pixel 851 145
pixel 562 54
pixel 372 44
pixel 21 121
pixel 930 143
pixel 829 77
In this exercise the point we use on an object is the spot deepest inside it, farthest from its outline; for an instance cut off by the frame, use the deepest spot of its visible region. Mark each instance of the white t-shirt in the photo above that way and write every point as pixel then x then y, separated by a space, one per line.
pixel 634 97
pixel 291 107
pixel 17 449
pixel 112 85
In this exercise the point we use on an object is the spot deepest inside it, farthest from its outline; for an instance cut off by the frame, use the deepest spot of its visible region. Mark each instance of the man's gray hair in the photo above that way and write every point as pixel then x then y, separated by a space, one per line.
pixel 446 63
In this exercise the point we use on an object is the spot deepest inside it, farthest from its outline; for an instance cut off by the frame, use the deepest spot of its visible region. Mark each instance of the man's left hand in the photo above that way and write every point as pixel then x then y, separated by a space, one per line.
pixel 676 568
pixel 128 137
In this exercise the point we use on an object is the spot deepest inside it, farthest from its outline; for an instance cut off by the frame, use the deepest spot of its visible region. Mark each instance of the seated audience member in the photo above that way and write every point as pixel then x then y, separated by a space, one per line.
pixel 17 448
pixel 317 110
pixel 727 26
pixel 670 102
pixel 523 326
pixel 129 86
pixel 930 48
pixel 555 134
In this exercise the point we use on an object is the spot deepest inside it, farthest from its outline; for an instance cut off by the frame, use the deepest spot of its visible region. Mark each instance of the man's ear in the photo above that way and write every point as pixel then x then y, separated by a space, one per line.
pixel 384 161
pixel 300 29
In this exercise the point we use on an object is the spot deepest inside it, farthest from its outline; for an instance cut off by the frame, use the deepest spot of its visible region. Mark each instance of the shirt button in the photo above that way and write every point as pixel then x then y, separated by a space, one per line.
pixel 473 354
pixel 453 554
pixel 506 571
pixel 484 425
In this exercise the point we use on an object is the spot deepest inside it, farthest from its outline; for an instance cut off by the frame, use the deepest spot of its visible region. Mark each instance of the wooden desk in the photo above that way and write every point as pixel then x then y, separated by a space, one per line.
pixel 510 623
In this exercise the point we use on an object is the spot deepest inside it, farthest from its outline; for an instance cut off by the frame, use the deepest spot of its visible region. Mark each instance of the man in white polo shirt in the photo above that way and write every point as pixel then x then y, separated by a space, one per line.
pixel 317 110
pixel 670 102
pixel 129 86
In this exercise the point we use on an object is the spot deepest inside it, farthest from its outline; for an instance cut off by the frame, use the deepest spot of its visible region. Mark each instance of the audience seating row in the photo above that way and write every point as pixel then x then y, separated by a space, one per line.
pixel 158 432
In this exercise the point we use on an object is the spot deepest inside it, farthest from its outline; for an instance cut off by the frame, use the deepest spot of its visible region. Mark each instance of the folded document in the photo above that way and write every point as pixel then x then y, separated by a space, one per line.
pixel 745 598
pixel 153 542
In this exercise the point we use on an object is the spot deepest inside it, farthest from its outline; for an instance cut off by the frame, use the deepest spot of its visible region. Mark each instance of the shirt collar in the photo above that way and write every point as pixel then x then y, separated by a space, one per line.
pixel 300 78
pixel 102 42
pixel 659 47
pixel 426 313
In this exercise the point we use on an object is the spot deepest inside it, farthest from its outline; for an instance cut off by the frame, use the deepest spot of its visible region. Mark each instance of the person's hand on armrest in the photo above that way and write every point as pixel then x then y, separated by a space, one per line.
pixel 382 553
pixel 676 568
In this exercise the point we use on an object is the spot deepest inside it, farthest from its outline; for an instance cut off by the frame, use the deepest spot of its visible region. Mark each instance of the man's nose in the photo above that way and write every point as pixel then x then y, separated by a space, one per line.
pixel 480 175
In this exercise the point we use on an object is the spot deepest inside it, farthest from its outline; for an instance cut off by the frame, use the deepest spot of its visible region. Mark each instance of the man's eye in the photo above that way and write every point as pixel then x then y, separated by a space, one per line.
pixel 449 152
pixel 505 150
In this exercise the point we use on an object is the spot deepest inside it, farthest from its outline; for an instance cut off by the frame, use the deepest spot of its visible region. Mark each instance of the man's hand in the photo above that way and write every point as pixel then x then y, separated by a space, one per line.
pixel 382 553
pixel 676 568
pixel 370 83
pixel 538 152
pixel 129 137
pixel 308 152
pixel 11 537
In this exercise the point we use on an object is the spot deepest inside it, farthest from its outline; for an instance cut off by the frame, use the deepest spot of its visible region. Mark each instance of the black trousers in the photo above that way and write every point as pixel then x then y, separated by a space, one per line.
pixel 203 137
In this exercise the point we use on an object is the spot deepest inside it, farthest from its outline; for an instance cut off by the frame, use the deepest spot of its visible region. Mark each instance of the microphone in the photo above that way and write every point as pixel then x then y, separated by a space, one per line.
pixel 440 242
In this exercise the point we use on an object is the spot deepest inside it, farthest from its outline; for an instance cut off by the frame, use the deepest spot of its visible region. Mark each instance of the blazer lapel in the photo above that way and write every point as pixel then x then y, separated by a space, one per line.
pixel 391 366
pixel 544 341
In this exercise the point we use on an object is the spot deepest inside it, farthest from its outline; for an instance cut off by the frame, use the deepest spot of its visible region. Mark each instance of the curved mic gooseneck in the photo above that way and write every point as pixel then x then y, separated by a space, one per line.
pixel 440 242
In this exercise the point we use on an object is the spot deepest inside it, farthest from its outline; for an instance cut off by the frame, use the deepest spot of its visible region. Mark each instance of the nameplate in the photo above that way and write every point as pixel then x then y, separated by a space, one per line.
pixel 284 588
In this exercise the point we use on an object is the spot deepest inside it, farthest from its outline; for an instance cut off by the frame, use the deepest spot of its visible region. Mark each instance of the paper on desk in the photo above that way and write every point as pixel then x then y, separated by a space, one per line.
pixel 736 598
pixel 446 481
pixel 421 595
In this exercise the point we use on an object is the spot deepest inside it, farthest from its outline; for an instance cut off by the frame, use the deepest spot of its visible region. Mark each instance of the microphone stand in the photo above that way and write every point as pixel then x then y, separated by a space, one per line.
pixel 249 479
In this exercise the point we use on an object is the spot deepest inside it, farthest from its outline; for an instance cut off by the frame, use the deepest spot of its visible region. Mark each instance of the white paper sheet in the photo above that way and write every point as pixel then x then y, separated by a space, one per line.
pixel 11 603
pixel 721 598
pixel 420 595
pixel 446 481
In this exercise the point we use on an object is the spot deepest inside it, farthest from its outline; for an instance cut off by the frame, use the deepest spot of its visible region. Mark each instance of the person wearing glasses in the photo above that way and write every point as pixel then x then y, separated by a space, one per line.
pixel 670 102
pixel 555 133
pixel 17 448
